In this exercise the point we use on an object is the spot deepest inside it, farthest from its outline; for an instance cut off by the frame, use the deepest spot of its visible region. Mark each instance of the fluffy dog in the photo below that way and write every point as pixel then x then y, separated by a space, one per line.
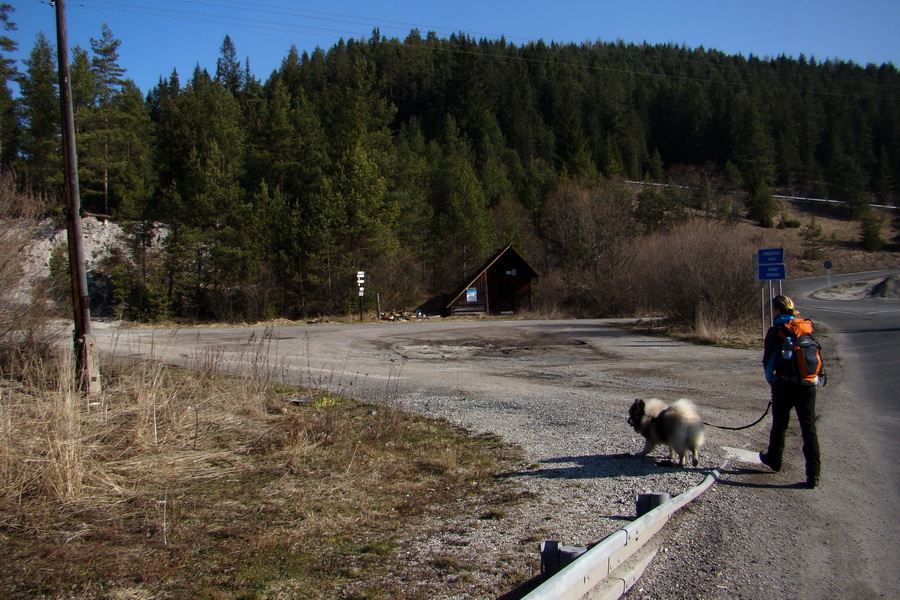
pixel 677 426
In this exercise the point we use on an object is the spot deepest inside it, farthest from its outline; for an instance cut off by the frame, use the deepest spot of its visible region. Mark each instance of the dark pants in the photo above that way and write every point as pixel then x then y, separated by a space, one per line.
pixel 787 396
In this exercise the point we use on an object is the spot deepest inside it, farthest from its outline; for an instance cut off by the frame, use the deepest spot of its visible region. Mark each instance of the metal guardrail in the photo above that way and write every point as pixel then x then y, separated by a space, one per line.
pixel 596 565
pixel 783 197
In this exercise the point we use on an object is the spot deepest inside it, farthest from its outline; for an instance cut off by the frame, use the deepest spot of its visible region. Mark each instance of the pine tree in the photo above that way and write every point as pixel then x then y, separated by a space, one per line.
pixel 113 131
pixel 105 64
pixel 228 68
pixel 8 73
pixel 84 84
pixel 812 237
pixel 40 140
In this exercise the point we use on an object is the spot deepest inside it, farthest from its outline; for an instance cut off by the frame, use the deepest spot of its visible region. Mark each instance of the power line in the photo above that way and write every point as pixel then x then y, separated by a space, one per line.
pixel 400 25
pixel 184 15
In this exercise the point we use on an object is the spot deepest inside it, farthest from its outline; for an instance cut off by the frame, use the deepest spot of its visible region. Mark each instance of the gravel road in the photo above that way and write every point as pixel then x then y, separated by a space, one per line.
pixel 561 390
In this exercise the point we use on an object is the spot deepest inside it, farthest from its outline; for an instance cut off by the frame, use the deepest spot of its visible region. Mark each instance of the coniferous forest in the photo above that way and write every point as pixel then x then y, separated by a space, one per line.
pixel 415 159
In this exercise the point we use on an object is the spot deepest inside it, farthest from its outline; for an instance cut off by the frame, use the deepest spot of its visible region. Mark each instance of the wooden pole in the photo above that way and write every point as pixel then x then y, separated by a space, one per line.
pixel 86 371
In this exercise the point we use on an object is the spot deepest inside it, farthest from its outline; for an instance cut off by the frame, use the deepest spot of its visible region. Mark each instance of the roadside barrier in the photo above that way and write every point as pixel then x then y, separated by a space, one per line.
pixel 603 563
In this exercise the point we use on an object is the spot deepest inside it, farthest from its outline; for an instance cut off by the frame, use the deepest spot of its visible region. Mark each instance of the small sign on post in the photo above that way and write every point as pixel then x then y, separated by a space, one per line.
pixel 360 284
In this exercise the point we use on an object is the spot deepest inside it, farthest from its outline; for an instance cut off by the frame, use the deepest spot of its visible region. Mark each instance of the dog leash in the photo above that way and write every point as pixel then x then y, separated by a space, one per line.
pixel 745 426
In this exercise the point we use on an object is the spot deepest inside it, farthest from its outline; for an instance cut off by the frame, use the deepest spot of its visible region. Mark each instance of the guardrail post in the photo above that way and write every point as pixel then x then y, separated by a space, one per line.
pixel 549 558
pixel 647 502
pixel 567 554
pixel 556 556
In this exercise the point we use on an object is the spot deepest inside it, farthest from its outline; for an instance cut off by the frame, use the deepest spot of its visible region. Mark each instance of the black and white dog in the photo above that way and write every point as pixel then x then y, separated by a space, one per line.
pixel 677 426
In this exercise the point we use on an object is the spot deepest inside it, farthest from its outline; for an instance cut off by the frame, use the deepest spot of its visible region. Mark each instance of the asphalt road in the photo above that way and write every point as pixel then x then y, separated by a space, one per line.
pixel 758 534
pixel 865 333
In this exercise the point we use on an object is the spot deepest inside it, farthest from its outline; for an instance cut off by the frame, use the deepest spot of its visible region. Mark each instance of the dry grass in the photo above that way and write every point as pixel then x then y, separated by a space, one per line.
pixel 186 483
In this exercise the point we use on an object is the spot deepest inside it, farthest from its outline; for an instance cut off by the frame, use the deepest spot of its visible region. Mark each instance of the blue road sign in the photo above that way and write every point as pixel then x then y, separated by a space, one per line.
pixel 771 272
pixel 770 256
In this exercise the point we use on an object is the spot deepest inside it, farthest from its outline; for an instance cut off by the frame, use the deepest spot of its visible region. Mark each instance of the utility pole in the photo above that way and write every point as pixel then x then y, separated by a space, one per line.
pixel 87 371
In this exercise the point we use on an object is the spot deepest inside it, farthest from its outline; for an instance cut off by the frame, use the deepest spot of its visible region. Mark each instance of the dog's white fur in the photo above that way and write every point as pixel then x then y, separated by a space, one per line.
pixel 678 426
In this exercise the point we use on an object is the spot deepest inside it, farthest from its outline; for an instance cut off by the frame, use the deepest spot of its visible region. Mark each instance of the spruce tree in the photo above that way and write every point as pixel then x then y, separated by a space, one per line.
pixel 813 240
pixel 8 73
pixel 113 132
pixel 463 230
pixel 131 178
pixel 228 68
pixel 84 85
pixel 202 199
pixel 40 139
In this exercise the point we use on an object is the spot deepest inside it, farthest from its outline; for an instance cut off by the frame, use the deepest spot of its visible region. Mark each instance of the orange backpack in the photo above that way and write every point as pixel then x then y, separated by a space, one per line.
pixel 800 357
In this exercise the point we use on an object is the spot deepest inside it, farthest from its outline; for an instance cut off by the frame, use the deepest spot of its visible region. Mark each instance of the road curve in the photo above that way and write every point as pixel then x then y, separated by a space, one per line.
pixel 758 534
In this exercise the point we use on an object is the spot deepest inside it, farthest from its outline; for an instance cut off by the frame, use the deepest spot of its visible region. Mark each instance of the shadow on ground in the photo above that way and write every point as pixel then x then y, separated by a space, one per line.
pixel 598 466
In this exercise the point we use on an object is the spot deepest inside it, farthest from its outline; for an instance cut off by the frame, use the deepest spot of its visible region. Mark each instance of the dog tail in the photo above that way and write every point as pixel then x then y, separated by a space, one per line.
pixel 686 409
pixel 693 424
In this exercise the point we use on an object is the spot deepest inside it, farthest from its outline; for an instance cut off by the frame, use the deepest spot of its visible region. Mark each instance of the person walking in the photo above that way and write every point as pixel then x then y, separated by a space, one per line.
pixel 788 393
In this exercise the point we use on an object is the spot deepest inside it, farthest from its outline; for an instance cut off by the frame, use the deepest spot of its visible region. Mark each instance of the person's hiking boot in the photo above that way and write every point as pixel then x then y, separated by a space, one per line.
pixel 764 459
pixel 812 482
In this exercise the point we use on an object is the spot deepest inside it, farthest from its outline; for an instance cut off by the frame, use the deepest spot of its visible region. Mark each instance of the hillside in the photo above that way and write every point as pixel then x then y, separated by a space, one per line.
pixel 840 236
pixel 414 159
pixel 841 245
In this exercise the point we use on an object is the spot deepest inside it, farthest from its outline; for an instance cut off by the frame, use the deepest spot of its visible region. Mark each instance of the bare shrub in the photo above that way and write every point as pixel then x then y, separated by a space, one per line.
pixel 589 234
pixel 27 338
pixel 398 279
pixel 699 276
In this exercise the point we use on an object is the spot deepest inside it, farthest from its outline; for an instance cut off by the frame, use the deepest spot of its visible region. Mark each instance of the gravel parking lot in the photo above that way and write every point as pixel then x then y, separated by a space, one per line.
pixel 561 390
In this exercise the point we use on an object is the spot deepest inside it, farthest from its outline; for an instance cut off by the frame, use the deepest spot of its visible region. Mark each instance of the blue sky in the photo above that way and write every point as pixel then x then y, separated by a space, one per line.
pixel 161 35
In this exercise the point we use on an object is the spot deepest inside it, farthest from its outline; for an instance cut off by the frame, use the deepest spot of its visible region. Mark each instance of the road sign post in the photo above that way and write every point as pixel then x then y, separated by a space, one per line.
pixel 768 265
pixel 360 284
